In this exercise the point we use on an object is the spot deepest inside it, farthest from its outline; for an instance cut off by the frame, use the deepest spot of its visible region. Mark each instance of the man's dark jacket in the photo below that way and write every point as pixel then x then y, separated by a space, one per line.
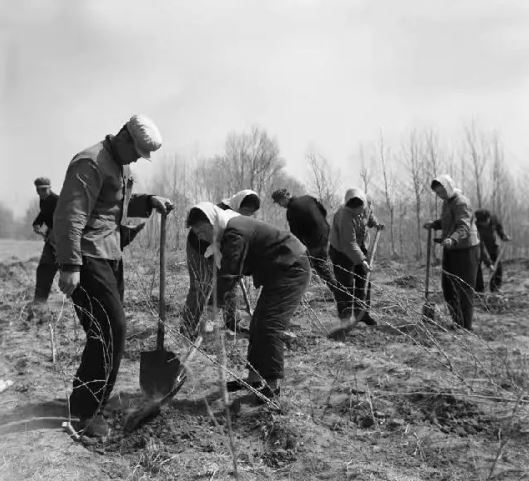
pixel 307 220
pixel 251 247
pixel 47 208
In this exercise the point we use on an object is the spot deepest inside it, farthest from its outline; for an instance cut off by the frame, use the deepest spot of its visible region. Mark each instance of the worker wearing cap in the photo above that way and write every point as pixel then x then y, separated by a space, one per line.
pixel 43 225
pixel 95 200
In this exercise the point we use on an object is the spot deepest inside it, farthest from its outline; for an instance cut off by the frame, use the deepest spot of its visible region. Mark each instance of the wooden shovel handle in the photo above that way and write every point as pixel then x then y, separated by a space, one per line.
pixel 161 301
pixel 246 298
pixel 428 264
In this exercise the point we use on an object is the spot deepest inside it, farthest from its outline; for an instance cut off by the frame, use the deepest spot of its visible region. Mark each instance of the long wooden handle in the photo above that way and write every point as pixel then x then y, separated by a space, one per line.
pixel 428 264
pixel 370 259
pixel 497 262
pixel 161 300
pixel 246 298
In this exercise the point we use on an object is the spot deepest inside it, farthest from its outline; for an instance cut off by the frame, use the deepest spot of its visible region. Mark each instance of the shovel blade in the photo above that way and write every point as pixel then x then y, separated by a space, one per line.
pixel 158 373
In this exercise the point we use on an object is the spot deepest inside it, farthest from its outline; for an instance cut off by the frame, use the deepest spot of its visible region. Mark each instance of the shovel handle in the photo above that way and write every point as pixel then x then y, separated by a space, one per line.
pixel 246 298
pixel 371 256
pixel 428 264
pixel 161 301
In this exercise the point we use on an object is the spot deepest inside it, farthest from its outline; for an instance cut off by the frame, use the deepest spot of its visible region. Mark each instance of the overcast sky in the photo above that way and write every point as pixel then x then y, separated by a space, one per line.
pixel 328 74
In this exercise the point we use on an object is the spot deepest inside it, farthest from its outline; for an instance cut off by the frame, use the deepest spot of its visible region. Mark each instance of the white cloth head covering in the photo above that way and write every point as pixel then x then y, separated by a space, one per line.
pixel 448 183
pixel 219 220
pixel 234 202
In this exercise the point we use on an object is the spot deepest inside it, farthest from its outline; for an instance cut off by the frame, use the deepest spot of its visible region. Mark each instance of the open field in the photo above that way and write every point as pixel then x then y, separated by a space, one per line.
pixel 404 401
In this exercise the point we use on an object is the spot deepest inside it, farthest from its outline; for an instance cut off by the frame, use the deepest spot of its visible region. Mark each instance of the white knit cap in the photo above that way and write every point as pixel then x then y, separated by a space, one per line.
pixel 145 135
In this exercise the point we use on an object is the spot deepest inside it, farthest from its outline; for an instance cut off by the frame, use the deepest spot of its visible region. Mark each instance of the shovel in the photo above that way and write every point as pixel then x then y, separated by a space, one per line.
pixel 338 333
pixel 153 406
pixel 160 368
pixel 428 309
pixel 494 267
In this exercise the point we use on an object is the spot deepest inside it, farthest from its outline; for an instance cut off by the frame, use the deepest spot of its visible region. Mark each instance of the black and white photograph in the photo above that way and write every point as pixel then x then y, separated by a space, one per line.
pixel 264 240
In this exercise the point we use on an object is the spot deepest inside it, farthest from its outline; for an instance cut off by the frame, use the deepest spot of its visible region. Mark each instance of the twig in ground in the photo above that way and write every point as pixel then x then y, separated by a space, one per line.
pixel 53 347
pixel 225 400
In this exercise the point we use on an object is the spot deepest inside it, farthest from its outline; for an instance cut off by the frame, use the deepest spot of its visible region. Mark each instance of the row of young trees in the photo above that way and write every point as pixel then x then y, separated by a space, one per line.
pixel 396 178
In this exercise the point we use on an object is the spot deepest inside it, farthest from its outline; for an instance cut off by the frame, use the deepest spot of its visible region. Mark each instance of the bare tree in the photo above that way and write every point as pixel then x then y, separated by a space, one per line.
pixel 366 169
pixel 415 165
pixel 478 155
pixel 388 191
pixel 324 180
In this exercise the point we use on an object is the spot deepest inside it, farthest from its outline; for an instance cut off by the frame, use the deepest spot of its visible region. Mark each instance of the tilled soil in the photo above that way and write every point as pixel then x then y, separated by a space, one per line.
pixel 405 400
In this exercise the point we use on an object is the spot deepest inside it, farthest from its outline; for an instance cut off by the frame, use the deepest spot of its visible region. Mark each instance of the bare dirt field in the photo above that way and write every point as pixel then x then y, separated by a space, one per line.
pixel 405 400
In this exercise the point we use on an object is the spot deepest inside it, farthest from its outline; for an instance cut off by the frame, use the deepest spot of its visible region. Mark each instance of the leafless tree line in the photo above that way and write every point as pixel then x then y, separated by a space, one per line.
pixel 396 178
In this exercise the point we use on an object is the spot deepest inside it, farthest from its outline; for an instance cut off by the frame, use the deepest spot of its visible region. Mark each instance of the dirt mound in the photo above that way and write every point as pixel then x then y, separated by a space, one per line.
pixel 408 281
pixel 451 414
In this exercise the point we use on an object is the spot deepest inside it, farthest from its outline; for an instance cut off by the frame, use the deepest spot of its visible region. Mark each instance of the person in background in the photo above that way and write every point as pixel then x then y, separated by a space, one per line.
pixel 95 200
pixel 348 252
pixel 200 267
pixel 490 232
pixel 461 250
pixel 278 263
pixel 47 268
pixel 307 219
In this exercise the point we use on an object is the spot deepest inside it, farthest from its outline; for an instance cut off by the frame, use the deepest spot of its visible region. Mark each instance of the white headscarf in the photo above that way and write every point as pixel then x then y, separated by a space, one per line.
pixel 219 220
pixel 448 183
pixel 234 202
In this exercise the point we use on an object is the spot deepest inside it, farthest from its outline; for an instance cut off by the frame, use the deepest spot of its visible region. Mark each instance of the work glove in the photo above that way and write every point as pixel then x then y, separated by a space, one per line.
pixel 161 204
pixel 365 266
pixel 448 243
pixel 380 226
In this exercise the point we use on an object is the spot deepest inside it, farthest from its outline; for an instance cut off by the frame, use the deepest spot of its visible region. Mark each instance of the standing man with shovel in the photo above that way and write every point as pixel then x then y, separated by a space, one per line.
pixel 95 200
pixel 348 251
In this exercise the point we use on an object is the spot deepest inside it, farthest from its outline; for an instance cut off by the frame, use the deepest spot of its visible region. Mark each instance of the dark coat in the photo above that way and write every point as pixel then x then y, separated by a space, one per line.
pixel 47 208
pixel 95 199
pixel 254 248
pixel 307 220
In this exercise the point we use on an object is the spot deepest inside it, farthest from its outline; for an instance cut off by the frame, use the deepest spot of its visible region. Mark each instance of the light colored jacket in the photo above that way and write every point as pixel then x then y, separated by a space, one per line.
pixel 95 199
pixel 457 219
pixel 349 231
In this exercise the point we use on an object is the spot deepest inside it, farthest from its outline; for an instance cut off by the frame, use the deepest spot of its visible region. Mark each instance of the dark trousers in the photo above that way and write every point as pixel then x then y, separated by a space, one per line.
pixel 319 261
pixel 99 306
pixel 460 267
pixel 200 287
pixel 497 278
pixel 352 294
pixel 279 298
pixel 46 271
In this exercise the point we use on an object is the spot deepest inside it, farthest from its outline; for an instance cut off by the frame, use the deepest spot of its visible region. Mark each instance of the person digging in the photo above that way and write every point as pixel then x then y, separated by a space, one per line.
pixel 307 219
pixel 201 270
pixel 348 252
pixel 95 199
pixel 491 232
pixel 277 262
